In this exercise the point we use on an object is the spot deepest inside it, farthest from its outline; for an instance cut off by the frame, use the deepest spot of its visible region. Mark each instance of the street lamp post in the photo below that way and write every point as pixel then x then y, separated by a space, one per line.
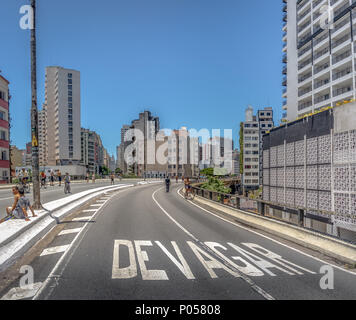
pixel 34 116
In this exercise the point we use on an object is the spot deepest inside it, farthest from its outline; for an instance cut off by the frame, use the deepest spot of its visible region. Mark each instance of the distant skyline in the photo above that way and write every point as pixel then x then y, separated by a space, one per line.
pixel 197 64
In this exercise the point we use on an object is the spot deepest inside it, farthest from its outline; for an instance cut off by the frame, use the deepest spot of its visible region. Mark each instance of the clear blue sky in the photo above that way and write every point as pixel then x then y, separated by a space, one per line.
pixel 194 63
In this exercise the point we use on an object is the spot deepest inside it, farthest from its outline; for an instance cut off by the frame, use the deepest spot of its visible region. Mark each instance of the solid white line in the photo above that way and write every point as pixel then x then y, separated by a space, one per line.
pixel 96 205
pixel 266 237
pixel 82 219
pixel 59 262
pixel 253 285
pixel 69 231
pixel 53 250
pixel 90 210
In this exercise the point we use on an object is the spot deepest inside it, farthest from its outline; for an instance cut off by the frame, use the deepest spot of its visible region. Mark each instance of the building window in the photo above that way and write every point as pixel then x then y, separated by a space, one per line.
pixel 2 95
pixel 70 99
pixel 70 93
pixel 4 155
pixel 70 105
pixel 70 81
pixel 70 75
pixel 70 87
pixel 2 115
pixel 2 135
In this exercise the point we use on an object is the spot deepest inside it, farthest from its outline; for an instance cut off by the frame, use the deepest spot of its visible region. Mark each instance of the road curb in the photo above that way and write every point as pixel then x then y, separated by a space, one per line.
pixel 334 248
pixel 17 244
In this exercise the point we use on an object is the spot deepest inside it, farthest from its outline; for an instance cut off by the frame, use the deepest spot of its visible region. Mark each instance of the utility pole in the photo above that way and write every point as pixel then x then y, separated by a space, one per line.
pixel 34 116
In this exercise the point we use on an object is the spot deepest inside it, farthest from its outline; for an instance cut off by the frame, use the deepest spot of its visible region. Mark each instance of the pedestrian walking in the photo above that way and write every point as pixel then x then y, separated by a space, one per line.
pixel 112 179
pixel 67 184
pixel 87 177
pixel 59 176
pixel 93 177
pixel 52 178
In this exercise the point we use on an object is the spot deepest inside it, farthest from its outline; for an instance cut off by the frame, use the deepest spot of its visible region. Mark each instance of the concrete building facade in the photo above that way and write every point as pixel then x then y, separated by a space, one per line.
pixel 4 131
pixel 319 59
pixel 311 164
pixel 62 109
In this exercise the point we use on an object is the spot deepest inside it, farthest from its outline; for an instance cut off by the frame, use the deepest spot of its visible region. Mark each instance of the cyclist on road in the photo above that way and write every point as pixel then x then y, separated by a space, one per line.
pixel 187 186
pixel 43 179
pixel 168 184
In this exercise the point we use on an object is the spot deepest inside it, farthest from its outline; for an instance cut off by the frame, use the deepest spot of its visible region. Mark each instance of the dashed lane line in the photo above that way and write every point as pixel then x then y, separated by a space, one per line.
pixel 82 219
pixel 54 250
pixel 69 231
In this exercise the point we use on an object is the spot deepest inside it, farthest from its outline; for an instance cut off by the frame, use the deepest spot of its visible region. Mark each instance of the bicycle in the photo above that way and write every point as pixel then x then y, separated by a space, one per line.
pixel 189 194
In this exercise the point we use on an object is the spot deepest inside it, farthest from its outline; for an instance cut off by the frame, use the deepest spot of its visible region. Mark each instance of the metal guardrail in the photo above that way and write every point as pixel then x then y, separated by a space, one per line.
pixel 259 206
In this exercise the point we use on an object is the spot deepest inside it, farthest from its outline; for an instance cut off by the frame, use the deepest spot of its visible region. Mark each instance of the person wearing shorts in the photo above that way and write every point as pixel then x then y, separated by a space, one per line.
pixel 59 175
pixel 19 208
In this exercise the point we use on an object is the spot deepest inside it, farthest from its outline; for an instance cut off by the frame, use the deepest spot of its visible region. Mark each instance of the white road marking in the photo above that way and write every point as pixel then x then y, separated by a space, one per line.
pixel 90 210
pixel 69 231
pixel 22 293
pixel 101 201
pixel 131 270
pixel 266 237
pixel 96 205
pixel 211 263
pixel 82 219
pixel 64 255
pixel 53 250
pixel 142 257
pixel 245 278
pixel 182 263
pixel 248 269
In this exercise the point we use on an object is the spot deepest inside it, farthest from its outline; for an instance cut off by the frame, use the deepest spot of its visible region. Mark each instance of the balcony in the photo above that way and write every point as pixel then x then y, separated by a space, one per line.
pixel 4 104
pixel 342 73
pixel 343 90
pixel 341 57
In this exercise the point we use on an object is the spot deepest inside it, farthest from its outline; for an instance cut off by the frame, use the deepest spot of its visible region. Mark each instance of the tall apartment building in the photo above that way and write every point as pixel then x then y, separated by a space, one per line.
pixel 319 60
pixel 183 154
pixel 148 126
pixel 62 107
pixel 251 148
pixel 42 136
pixel 4 131
pixel 265 123
pixel 92 151
pixel 217 152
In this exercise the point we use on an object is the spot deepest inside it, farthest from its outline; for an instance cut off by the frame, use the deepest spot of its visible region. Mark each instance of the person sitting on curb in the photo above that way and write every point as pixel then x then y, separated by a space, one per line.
pixel 19 208
pixel 25 204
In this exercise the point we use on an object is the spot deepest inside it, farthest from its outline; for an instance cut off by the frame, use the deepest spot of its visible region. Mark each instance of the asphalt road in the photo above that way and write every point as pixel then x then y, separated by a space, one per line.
pixel 53 193
pixel 142 243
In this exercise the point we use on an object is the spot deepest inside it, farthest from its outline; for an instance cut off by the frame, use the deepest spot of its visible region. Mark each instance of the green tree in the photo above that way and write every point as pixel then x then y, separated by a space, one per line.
pixel 209 172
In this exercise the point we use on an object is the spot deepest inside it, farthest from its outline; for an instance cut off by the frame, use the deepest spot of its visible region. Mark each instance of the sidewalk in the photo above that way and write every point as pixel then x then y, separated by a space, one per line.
pixel 337 249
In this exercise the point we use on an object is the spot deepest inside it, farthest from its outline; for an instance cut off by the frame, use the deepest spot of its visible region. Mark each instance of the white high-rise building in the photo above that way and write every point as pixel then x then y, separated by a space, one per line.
pixel 42 136
pixel 62 107
pixel 319 58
